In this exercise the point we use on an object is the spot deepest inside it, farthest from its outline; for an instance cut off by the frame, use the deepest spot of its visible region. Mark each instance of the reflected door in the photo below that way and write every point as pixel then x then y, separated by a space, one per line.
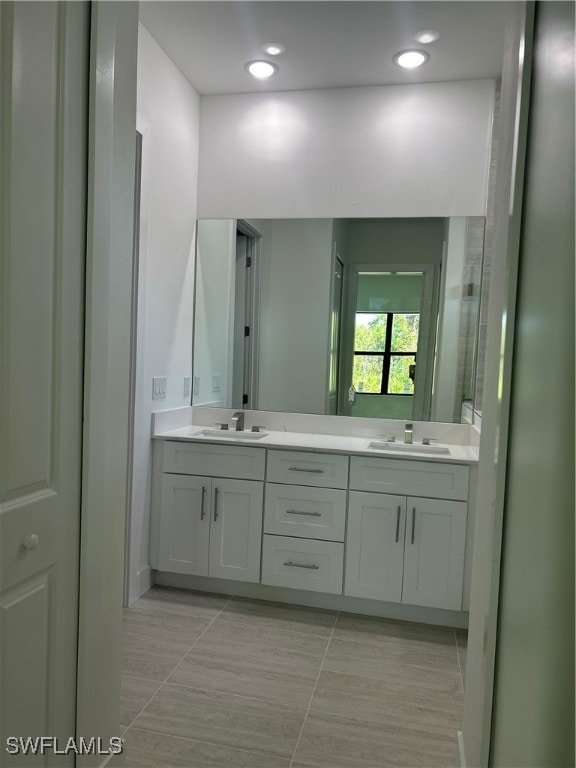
pixel 334 362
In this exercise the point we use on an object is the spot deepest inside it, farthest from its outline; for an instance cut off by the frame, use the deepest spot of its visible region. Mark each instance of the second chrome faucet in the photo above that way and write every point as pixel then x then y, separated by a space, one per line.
pixel 238 421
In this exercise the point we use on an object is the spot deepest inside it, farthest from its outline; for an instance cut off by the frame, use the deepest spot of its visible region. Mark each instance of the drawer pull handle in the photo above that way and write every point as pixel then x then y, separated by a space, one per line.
pixel 398 525
pixel 202 513
pixel 298 512
pixel 304 469
pixel 311 567
pixel 413 522
pixel 215 504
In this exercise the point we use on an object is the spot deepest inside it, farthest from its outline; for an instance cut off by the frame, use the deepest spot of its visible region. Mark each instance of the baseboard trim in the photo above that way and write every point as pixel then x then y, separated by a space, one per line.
pixel 458 619
pixel 461 749
pixel 141 583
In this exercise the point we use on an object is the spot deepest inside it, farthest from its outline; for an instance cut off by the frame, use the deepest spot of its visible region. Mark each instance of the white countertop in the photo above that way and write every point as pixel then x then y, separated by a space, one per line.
pixel 459 454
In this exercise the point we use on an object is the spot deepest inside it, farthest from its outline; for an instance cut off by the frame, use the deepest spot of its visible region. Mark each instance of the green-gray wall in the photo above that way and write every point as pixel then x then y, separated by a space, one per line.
pixel 533 715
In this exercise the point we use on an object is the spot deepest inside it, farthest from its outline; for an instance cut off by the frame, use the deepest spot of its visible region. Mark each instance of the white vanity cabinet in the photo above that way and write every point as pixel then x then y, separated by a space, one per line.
pixel 305 521
pixel 211 526
pixel 407 549
pixel 392 530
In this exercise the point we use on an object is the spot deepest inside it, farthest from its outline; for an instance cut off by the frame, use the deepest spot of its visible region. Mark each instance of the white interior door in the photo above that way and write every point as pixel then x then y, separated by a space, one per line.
pixel 43 72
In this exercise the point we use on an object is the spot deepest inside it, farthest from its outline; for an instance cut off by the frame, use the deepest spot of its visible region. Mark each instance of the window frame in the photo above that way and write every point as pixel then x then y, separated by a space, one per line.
pixel 387 354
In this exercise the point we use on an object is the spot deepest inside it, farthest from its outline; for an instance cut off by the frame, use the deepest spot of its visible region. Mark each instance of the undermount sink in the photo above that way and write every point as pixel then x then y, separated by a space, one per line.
pixel 409 448
pixel 229 434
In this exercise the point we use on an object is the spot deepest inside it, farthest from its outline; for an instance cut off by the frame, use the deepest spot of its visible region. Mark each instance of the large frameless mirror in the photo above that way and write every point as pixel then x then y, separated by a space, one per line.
pixel 349 317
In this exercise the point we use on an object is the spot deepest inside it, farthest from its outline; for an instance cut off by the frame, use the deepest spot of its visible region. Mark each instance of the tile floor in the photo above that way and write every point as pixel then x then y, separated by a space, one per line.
pixel 212 682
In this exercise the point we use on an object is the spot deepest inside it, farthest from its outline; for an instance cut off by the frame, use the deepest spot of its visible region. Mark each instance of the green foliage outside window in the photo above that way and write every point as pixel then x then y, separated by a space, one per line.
pixel 370 336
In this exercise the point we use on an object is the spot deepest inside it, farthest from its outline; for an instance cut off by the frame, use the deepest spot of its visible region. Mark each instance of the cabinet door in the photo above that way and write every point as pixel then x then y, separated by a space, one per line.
pixel 185 524
pixel 375 546
pixel 236 530
pixel 434 553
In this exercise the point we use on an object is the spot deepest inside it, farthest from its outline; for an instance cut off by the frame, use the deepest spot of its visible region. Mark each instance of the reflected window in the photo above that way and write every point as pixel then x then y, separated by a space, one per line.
pixel 385 345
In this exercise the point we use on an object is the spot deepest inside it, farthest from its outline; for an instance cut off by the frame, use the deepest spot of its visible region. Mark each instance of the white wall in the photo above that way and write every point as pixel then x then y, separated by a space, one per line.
pixel 168 118
pixel 410 150
pixel 214 312
pixel 295 315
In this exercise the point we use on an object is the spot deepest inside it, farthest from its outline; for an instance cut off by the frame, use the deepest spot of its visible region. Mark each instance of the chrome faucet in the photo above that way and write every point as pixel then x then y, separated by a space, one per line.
pixel 238 419
pixel 408 434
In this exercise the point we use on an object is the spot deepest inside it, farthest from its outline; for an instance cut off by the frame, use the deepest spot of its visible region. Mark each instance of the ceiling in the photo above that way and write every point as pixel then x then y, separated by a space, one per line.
pixel 328 44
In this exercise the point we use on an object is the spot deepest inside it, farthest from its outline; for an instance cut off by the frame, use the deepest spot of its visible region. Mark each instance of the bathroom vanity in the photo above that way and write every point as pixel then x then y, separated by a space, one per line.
pixel 299 513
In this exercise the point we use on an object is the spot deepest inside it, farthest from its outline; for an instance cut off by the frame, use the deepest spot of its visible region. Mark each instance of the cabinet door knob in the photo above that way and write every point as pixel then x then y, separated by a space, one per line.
pixel 30 542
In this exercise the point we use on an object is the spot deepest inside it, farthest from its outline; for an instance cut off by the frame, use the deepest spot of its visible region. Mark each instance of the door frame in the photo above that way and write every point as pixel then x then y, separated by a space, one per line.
pixel 253 252
pixel 133 361
pixel 109 280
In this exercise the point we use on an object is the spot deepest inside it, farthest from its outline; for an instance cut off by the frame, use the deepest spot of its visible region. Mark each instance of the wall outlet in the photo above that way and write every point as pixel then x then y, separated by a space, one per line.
pixel 196 385
pixel 216 382
pixel 187 380
pixel 159 385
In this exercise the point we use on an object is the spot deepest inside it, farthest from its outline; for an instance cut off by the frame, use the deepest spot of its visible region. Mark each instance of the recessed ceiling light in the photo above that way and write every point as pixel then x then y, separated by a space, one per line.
pixel 426 36
pixel 273 49
pixel 411 59
pixel 261 70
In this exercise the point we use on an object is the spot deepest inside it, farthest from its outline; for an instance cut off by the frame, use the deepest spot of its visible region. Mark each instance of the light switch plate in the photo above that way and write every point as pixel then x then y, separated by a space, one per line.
pixel 187 380
pixel 216 382
pixel 196 385
pixel 159 385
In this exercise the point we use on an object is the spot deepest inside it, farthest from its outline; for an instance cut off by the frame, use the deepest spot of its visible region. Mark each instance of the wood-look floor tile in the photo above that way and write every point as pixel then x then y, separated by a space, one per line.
pixel 230 721
pixel 280 616
pixel 331 741
pixel 395 663
pixel 228 637
pixel 166 600
pixel 151 659
pixel 173 628
pixel 144 749
pixel 135 693
pixel 377 631
pixel 246 676
pixel 388 703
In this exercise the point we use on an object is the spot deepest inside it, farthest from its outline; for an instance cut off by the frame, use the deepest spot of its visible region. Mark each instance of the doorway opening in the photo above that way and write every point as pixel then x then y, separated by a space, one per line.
pixel 389 340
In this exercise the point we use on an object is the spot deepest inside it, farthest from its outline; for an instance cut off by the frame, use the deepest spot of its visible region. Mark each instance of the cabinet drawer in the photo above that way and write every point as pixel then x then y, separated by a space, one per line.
pixel 304 468
pixel 239 461
pixel 414 478
pixel 314 513
pixel 302 564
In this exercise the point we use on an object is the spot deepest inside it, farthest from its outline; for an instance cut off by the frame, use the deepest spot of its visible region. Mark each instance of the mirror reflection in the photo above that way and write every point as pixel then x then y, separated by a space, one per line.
pixel 349 317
